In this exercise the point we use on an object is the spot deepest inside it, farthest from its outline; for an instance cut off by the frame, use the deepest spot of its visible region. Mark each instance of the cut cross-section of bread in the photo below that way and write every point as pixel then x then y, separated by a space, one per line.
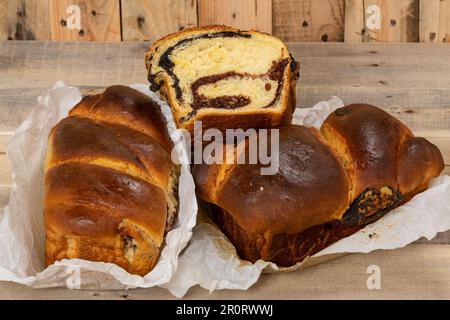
pixel 225 77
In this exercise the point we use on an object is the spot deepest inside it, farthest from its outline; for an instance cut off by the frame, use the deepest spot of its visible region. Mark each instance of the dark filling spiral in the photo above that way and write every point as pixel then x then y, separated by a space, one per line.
pixel 231 102
pixel 227 102
pixel 167 64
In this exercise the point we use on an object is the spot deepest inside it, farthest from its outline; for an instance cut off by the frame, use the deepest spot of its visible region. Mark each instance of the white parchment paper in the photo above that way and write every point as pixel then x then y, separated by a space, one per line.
pixel 21 222
pixel 211 260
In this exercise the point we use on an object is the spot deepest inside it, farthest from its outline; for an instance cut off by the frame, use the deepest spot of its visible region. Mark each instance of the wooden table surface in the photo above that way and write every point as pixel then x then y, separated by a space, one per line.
pixel 410 81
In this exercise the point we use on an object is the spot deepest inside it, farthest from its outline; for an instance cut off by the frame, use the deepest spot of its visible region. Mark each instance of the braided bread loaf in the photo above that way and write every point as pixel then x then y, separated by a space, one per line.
pixel 330 183
pixel 225 77
pixel 110 185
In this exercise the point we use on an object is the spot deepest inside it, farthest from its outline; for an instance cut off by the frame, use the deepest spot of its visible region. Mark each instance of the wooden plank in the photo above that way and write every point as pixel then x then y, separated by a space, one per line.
pixel 24 20
pixel 342 278
pixel 444 21
pixel 429 21
pixel 242 14
pixel 307 20
pixel 446 170
pixel 379 66
pixel 415 89
pixel 444 146
pixel 150 20
pixel 16 105
pixel 4 197
pixel 5 172
pixel 421 110
pixel 354 21
pixel 399 20
pixel 403 24
pixel 432 133
pixel 39 64
pixel 99 20
pixel 441 237
pixel 435 21
pixel 4 139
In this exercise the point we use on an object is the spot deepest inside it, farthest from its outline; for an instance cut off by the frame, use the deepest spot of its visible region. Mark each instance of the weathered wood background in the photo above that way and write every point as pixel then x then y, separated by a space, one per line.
pixel 291 20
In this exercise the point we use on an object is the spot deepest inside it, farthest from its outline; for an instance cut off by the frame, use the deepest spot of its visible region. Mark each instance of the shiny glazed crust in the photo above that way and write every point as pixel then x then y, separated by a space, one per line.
pixel 330 183
pixel 110 185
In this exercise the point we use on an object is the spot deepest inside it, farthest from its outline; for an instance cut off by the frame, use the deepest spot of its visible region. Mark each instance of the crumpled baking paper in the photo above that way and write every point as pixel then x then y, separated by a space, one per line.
pixel 211 260
pixel 21 223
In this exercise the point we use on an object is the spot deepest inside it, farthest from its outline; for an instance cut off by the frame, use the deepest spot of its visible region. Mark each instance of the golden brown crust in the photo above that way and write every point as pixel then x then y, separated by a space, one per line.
pixel 72 140
pixel 108 181
pixel 331 183
pixel 372 138
pixel 418 162
pixel 284 249
pixel 126 106
pixel 310 179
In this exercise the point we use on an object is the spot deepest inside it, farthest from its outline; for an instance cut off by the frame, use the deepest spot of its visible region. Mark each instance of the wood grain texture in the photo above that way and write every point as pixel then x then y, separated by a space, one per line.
pixel 4 197
pixel 5 172
pixel 150 20
pixel 414 89
pixel 435 21
pixel 100 20
pixel 291 20
pixel 444 21
pixel 307 20
pixel 354 30
pixel 410 89
pixel 24 20
pixel 5 137
pixel 241 14
pixel 422 110
pixel 429 21
pixel 404 21
pixel 342 278
pixel 399 21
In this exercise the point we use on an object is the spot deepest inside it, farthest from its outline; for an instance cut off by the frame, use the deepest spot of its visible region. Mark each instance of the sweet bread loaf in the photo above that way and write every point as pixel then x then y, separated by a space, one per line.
pixel 225 77
pixel 330 183
pixel 110 184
